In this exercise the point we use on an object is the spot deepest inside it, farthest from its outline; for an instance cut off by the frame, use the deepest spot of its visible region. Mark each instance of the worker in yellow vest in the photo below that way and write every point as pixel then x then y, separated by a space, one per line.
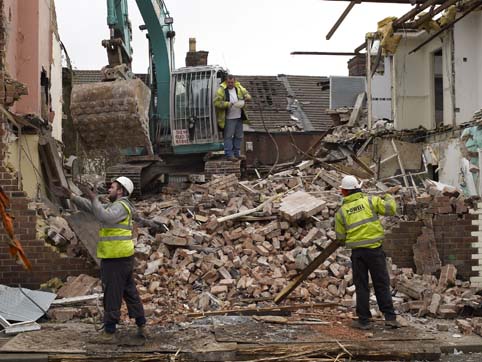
pixel 115 249
pixel 358 227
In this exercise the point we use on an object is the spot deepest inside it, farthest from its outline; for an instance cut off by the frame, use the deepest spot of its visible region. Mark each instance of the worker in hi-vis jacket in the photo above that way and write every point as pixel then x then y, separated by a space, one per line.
pixel 358 227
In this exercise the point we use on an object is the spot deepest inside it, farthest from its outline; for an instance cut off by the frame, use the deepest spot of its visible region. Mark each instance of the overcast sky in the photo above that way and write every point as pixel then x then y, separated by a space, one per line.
pixel 249 37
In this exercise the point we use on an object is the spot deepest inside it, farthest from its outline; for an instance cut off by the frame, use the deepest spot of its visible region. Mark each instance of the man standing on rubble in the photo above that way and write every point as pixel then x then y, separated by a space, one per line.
pixel 358 227
pixel 230 102
pixel 115 249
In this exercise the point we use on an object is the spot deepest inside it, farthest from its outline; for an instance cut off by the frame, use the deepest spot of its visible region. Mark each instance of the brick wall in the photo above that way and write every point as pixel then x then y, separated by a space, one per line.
pixel 46 262
pixel 452 233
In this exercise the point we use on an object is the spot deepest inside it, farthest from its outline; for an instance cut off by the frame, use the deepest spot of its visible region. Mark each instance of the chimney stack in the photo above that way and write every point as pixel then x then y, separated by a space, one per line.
pixel 195 58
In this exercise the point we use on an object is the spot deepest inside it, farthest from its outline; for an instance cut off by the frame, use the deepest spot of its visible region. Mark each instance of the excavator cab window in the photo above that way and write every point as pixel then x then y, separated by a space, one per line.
pixel 193 106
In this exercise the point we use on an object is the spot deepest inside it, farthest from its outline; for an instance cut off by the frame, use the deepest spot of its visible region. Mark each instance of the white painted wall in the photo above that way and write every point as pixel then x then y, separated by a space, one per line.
pixel 56 88
pixel 449 162
pixel 382 92
pixel 413 84
pixel 468 66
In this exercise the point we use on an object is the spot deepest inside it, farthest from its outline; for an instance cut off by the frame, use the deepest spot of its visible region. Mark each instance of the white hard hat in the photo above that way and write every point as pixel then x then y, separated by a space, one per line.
pixel 349 183
pixel 126 183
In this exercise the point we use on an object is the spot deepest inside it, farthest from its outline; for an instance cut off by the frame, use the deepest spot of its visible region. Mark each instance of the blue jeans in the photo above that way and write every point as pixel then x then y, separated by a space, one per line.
pixel 233 136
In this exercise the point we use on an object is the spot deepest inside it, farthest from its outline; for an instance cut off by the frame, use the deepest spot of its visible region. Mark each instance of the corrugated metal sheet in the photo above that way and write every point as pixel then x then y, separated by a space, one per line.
pixel 16 306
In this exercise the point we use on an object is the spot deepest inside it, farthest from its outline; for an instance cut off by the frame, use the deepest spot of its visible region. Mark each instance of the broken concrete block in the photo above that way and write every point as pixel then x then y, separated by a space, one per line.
pixel 63 314
pixel 78 286
pixel 434 304
pixel 464 326
pixel 300 205
pixel 448 276
pixel 218 289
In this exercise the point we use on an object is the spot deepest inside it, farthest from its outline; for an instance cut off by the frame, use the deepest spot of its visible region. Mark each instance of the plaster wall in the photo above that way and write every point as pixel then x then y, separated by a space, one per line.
pixel 468 66
pixel 56 89
pixel 413 95
pixel 10 9
pixel 31 48
pixel 450 157
pixel 381 92
pixel 26 52
pixel 29 163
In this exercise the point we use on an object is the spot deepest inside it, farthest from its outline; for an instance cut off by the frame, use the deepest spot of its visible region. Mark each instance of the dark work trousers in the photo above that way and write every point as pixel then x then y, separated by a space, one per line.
pixel 366 260
pixel 118 284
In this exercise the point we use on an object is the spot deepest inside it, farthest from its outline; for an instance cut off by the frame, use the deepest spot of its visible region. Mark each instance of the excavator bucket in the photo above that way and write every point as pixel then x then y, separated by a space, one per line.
pixel 112 114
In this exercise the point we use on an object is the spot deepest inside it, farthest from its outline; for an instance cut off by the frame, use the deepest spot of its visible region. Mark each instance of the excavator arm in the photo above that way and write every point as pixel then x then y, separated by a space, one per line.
pixel 119 49
pixel 161 42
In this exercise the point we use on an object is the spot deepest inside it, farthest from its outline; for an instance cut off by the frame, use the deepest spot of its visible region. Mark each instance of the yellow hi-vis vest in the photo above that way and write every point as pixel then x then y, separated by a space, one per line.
pixel 356 222
pixel 115 241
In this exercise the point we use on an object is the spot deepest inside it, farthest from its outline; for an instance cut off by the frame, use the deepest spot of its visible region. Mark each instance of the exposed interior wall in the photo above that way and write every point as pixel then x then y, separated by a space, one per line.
pixel 32 48
pixel 56 88
pixel 382 92
pixel 468 66
pixel 30 168
pixel 450 157
pixel 24 53
pixel 413 82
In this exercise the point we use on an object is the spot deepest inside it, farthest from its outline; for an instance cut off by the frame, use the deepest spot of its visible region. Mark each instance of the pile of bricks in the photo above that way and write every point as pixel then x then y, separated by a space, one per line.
pixel 201 261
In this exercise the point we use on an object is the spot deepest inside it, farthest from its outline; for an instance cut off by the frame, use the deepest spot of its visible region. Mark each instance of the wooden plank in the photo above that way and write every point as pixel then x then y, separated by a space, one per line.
pixel 330 249
pixel 86 227
pixel 80 299
pixel 355 114
pixel 259 311
pixel 341 18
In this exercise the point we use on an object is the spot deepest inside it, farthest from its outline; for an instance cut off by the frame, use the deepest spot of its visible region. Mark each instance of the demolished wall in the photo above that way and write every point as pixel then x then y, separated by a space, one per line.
pixel 46 262
pixel 452 231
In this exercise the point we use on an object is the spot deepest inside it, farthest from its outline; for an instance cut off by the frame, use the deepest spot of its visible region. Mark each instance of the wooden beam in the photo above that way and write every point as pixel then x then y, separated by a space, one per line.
pixel 258 311
pixel 341 18
pixel 409 2
pixel 330 249
pixel 431 14
pixel 448 26
pixel 355 114
pixel 345 54
pixel 412 13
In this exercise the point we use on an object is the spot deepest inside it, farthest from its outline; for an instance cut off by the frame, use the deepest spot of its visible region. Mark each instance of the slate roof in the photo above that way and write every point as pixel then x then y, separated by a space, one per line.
pixel 279 102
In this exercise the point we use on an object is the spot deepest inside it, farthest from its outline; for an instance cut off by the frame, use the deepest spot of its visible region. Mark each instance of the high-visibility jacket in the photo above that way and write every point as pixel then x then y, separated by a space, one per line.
pixel 115 241
pixel 356 222
pixel 221 102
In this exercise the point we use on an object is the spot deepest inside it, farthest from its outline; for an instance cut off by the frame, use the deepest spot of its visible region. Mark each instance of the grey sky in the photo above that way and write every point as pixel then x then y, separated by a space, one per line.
pixel 252 37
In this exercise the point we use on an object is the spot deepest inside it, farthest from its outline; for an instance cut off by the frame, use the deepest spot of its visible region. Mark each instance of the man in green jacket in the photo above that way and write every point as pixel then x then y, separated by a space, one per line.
pixel 358 227
pixel 116 251
pixel 230 103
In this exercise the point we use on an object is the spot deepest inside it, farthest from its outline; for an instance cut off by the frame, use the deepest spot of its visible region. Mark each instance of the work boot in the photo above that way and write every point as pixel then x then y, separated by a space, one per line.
pixel 230 158
pixel 106 338
pixel 361 325
pixel 392 324
pixel 142 332
pixel 240 157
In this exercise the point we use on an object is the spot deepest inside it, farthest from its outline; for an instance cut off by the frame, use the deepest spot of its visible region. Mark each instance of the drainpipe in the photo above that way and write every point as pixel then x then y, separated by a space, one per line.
pixel 369 41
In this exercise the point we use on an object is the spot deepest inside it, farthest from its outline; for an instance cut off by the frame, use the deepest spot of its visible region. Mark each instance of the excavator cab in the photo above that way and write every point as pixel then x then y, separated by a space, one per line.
pixel 193 123
pixel 153 130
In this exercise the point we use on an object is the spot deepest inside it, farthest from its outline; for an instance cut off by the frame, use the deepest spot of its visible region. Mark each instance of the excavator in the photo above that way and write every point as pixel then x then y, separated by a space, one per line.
pixel 161 127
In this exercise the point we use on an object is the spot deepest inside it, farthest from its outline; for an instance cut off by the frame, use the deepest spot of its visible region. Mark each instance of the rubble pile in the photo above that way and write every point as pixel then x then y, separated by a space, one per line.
pixel 192 250
pixel 229 242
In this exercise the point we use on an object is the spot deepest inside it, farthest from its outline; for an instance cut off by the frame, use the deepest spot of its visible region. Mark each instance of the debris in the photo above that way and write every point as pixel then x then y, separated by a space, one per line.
pixel 78 286
pixel 23 305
